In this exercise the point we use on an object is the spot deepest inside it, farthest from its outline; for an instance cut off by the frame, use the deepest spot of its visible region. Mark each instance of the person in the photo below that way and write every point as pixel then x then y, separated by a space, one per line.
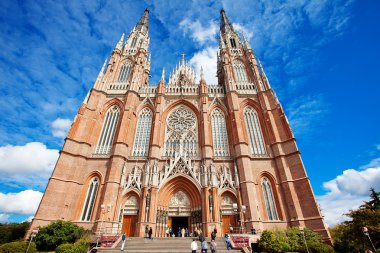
pixel 231 229
pixel 179 232
pixel 123 237
pixel 213 246
pixel 150 233
pixel 215 230
pixel 204 246
pixel 194 246
pixel 186 232
pixel 195 234
pixel 183 232
pixel 146 231
pixel 170 232
pixel 213 235
pixel 228 243
pixel 201 237
pixel 167 231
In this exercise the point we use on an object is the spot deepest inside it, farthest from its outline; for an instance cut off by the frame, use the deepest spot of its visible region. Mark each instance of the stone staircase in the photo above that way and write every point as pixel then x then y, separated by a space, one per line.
pixel 165 245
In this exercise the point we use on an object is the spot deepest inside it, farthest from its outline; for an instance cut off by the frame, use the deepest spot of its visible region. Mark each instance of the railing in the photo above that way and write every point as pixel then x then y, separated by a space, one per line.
pixel 184 90
pixel 215 90
pixel 117 87
pixel 147 90
pixel 236 52
pixel 246 88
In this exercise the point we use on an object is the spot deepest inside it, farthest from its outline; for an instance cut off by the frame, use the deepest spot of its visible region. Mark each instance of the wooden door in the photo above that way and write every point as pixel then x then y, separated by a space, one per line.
pixel 226 221
pixel 129 225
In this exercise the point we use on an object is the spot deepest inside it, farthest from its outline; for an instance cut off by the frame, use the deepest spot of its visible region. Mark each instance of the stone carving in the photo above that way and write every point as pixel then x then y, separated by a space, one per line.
pixel 179 199
pixel 134 179
pixel 226 200
pixel 132 201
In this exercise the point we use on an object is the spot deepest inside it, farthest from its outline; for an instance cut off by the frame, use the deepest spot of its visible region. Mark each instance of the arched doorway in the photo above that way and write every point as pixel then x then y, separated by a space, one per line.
pixel 129 214
pixel 179 203
pixel 228 214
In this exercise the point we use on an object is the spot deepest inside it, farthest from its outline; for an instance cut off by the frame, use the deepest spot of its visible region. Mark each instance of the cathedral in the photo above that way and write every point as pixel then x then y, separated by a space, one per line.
pixel 180 153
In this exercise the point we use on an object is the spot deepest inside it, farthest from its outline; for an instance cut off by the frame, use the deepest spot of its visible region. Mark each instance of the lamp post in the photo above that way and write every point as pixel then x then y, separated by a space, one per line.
pixel 365 232
pixel 304 239
pixel 242 223
pixel 34 233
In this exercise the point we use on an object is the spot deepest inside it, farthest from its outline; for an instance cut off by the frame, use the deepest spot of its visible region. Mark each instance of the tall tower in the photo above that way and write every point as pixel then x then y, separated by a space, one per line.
pixel 181 153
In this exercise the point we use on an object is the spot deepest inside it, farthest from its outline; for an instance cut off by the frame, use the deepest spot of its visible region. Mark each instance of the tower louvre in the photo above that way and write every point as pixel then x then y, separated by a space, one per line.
pixel 142 155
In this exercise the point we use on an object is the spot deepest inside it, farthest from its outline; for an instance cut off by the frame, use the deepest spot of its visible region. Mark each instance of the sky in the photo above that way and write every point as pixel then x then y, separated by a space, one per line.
pixel 321 58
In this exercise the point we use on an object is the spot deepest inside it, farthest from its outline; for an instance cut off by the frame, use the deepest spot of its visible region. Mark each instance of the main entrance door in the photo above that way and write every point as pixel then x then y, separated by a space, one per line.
pixel 129 225
pixel 179 223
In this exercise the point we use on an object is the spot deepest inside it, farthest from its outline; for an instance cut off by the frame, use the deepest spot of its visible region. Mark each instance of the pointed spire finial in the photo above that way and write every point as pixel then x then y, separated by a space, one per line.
pixel 163 74
pixel 225 24
pixel 119 45
pixel 202 75
pixel 246 43
pixel 183 58
pixel 143 23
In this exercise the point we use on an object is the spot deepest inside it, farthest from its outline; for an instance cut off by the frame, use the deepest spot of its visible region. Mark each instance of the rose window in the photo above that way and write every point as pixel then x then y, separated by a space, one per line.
pixel 181 119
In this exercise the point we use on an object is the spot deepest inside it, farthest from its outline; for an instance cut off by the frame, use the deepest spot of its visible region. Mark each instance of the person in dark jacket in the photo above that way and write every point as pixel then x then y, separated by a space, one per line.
pixel 150 233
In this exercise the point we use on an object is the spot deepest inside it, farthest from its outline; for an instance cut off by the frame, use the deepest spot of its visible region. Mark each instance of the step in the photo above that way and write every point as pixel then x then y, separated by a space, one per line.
pixel 165 245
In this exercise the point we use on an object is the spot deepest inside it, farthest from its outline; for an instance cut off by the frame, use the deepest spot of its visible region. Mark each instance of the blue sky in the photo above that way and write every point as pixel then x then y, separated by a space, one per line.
pixel 321 58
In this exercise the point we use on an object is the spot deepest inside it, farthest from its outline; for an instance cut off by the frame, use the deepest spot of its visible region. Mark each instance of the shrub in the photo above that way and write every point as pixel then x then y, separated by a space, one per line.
pixel 80 246
pixel 57 233
pixel 292 240
pixel 65 248
pixel 17 247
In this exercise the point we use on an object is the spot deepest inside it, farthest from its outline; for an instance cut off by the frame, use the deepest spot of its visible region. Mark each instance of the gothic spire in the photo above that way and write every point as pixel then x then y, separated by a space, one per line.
pixel 225 24
pixel 143 23
pixel 119 45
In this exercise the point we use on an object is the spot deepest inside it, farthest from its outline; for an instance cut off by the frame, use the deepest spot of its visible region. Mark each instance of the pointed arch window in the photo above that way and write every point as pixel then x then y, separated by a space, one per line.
pixel 90 199
pixel 240 72
pixel 142 137
pixel 108 131
pixel 181 135
pixel 269 199
pixel 254 131
pixel 219 133
pixel 124 73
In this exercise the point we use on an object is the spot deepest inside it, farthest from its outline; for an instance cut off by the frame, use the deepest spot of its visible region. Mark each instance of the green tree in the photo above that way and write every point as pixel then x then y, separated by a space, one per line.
pixel 13 231
pixel 348 236
pixel 57 233
pixel 292 239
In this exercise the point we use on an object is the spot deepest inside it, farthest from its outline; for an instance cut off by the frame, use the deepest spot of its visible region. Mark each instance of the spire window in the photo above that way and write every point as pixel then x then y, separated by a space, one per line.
pixel 254 131
pixel 233 43
pixel 240 72
pixel 90 199
pixel 269 199
pixel 108 131
pixel 219 134
pixel 125 71
pixel 144 125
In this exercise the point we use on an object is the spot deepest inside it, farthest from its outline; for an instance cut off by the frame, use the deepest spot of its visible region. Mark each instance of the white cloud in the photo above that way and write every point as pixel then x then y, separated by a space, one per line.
pixel 207 60
pixel 242 30
pixel 4 218
pixel 30 164
pixel 25 202
pixel 346 192
pixel 306 113
pixel 61 127
pixel 198 32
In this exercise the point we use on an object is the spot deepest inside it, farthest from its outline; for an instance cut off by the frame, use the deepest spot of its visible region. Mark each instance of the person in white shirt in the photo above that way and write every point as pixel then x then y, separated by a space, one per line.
pixel 194 246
